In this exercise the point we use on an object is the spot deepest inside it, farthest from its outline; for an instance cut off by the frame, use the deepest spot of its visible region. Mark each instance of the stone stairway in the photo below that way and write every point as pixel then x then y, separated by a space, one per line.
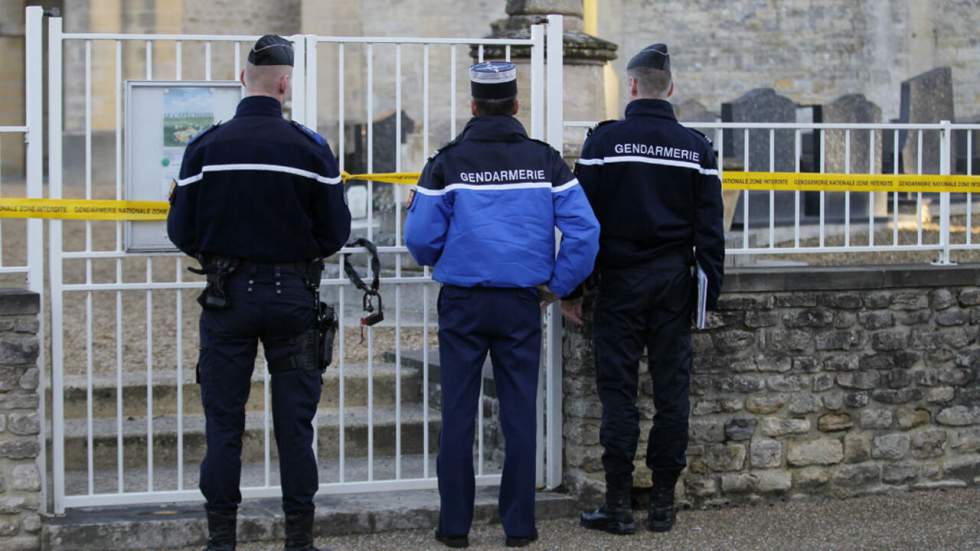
pixel 381 422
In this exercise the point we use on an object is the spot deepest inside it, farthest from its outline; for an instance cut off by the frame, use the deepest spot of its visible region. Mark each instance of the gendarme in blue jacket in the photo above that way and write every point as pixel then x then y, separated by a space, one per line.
pixel 486 207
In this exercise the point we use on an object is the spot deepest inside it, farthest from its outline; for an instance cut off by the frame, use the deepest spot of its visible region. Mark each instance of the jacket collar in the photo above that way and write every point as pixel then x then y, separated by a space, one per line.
pixel 650 108
pixel 259 106
pixel 493 128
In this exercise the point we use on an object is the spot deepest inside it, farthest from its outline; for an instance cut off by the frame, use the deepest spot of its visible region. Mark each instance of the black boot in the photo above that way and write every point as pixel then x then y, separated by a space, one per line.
pixel 663 514
pixel 221 531
pixel 299 532
pixel 521 541
pixel 455 542
pixel 614 516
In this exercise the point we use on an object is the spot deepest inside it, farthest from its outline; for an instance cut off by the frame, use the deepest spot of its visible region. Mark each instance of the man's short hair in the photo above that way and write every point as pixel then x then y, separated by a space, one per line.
pixel 651 83
pixel 492 107
pixel 264 78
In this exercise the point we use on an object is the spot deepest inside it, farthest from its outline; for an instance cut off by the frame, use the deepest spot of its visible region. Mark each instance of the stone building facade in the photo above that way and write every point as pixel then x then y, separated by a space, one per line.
pixel 812 52
pixel 831 383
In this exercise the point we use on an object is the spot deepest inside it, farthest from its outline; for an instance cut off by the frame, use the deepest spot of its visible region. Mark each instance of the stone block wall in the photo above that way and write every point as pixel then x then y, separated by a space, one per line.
pixel 815 383
pixel 20 480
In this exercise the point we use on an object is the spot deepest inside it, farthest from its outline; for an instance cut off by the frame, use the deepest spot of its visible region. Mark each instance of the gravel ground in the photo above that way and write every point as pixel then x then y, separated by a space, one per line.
pixel 918 521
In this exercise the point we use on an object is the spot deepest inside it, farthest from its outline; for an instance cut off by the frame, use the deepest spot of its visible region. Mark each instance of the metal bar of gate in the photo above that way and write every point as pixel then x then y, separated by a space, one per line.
pixel 556 138
pixel 34 136
pixel 55 247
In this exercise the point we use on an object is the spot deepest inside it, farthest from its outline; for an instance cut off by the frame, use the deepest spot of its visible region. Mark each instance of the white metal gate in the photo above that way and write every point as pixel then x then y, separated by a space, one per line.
pixel 127 426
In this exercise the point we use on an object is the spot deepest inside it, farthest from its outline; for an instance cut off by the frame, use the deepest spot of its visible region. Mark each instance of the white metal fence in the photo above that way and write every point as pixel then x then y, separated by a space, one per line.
pixel 126 419
pixel 826 222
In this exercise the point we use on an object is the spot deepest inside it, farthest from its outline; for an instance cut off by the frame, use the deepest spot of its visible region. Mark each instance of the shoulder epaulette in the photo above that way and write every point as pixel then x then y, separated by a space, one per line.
pixel 203 132
pixel 310 133
pixel 449 145
pixel 544 143
pixel 598 125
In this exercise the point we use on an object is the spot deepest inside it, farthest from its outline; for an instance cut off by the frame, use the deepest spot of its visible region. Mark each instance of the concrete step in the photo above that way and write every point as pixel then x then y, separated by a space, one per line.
pixel 356 469
pixel 355 422
pixel 165 401
pixel 178 526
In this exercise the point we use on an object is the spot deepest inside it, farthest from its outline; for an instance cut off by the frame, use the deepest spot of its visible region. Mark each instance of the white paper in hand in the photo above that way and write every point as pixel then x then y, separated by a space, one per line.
pixel 701 320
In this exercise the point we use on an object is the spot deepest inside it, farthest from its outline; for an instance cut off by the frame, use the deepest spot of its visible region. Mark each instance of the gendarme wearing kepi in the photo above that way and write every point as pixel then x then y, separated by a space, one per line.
pixel 271 49
pixel 493 80
pixel 484 214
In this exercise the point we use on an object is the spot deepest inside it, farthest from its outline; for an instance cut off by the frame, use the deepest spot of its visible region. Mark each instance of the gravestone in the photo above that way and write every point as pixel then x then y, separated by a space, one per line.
pixel 889 158
pixel 761 105
pixel 809 138
pixel 384 145
pixel 852 108
pixel 925 98
pixel 967 149
pixel 692 110
pixel 859 156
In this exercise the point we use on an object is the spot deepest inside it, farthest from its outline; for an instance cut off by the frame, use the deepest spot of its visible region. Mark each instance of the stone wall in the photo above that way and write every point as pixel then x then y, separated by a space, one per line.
pixel 815 382
pixel 20 482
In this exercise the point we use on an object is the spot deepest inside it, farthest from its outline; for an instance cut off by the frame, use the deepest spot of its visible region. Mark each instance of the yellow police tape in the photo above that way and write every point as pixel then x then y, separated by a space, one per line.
pixel 99 209
pixel 83 209
pixel 808 181
pixel 400 178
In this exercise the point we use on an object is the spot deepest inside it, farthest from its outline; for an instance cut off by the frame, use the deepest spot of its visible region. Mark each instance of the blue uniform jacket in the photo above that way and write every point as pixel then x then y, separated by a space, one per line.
pixel 486 207
pixel 654 187
pixel 260 188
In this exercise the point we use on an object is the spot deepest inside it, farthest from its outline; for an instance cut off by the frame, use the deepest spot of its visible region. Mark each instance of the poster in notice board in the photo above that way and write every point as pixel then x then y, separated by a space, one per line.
pixel 161 119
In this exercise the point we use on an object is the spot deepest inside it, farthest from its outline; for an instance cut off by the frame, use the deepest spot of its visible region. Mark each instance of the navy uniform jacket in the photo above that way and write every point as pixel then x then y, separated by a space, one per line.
pixel 259 188
pixel 486 207
pixel 654 187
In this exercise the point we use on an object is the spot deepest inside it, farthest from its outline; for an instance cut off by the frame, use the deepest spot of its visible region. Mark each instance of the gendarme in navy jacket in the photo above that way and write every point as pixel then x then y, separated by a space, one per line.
pixel 654 187
pixel 260 188
pixel 486 207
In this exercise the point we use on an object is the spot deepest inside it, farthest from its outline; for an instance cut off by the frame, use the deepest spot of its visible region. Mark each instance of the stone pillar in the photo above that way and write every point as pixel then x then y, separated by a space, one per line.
pixel 20 481
pixel 585 57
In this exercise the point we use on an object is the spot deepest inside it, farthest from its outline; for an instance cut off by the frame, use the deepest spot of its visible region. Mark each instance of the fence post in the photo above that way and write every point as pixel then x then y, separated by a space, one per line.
pixel 311 82
pixel 34 120
pixel 54 252
pixel 298 101
pixel 945 149
pixel 556 135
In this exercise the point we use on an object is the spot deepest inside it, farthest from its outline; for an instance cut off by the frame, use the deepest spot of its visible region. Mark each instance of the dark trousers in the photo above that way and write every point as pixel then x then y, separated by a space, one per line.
pixel 647 306
pixel 507 324
pixel 272 304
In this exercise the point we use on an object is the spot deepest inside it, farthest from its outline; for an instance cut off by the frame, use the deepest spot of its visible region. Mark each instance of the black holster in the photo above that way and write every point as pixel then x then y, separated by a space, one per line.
pixel 325 325
pixel 216 269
